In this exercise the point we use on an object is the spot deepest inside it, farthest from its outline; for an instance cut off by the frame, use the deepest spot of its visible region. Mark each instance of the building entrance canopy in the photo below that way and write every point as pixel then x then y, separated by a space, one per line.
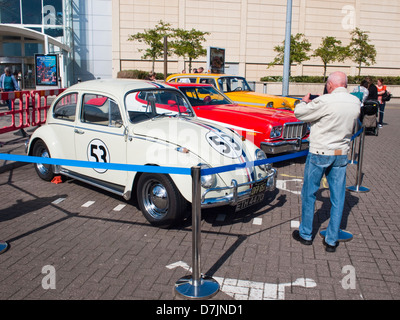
pixel 23 65
pixel 16 30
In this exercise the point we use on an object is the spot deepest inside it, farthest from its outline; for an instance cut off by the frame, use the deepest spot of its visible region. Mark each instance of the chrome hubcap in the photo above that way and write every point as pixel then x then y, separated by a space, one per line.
pixel 43 168
pixel 155 198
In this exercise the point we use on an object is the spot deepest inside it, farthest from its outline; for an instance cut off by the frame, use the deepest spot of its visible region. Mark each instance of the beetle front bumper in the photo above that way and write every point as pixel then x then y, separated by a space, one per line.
pixel 258 187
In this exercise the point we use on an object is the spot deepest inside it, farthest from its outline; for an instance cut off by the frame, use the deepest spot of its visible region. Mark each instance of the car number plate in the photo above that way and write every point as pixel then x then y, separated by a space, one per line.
pixel 257 195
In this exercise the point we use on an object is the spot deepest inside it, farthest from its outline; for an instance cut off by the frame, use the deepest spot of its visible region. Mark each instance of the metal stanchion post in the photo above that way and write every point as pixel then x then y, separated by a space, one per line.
pixel 196 286
pixel 353 145
pixel 358 187
pixel 352 155
pixel 3 246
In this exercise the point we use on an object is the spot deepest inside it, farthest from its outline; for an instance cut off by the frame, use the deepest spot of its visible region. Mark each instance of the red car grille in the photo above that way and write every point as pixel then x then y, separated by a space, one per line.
pixel 294 130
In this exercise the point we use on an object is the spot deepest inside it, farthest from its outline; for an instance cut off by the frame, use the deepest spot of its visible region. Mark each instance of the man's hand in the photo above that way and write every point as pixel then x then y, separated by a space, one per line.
pixel 306 98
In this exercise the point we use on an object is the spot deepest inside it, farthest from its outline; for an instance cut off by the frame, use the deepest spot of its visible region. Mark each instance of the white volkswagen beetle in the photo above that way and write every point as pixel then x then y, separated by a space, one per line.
pixel 146 123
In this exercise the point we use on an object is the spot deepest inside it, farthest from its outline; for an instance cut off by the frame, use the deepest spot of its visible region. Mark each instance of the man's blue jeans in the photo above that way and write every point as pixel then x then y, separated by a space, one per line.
pixel 334 168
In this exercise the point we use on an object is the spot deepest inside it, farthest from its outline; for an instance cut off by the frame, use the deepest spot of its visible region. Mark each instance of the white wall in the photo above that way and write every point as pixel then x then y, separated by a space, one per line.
pixel 92 28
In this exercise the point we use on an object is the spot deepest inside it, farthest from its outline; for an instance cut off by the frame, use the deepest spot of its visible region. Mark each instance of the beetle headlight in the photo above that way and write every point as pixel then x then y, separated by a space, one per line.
pixel 276 132
pixel 270 104
pixel 296 102
pixel 207 181
pixel 260 155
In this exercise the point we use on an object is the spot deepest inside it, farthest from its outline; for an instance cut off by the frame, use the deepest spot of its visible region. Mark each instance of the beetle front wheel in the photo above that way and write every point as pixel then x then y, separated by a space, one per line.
pixel 159 200
pixel 44 171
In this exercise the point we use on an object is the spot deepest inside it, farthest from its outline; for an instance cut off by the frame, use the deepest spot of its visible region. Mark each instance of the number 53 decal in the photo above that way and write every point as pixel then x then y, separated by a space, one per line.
pixel 97 152
pixel 224 144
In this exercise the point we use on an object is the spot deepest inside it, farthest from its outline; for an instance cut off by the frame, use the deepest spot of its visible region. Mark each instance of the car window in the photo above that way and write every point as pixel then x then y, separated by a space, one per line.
pixel 185 80
pixel 230 84
pixel 148 104
pixel 208 81
pixel 100 110
pixel 65 108
pixel 202 96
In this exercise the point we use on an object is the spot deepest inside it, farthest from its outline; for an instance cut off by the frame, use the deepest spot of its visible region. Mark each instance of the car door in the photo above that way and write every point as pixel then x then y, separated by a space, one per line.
pixel 99 137
pixel 62 120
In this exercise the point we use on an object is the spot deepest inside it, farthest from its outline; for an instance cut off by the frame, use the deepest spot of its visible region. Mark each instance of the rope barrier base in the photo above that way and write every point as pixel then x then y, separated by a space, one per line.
pixel 206 288
pixel 343 235
pixel 357 189
pixel 3 246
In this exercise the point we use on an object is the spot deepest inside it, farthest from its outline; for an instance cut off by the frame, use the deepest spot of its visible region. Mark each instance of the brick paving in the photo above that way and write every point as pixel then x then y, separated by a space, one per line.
pixel 107 250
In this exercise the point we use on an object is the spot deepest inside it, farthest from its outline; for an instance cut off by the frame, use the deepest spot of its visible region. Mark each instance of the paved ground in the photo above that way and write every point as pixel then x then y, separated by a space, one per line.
pixel 100 247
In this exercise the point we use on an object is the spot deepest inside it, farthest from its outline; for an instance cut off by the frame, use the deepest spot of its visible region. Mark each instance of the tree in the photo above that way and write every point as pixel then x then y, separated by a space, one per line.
pixel 330 51
pixel 188 43
pixel 299 47
pixel 361 51
pixel 154 38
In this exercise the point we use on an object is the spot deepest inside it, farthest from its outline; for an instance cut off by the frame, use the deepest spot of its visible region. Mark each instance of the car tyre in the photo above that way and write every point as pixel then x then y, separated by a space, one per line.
pixel 44 171
pixel 159 200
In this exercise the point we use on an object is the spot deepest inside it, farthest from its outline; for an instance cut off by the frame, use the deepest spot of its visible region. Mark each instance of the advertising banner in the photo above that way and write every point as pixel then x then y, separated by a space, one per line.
pixel 46 66
pixel 216 60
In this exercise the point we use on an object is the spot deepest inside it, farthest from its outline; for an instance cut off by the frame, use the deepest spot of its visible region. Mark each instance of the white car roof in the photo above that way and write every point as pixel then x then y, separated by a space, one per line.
pixel 117 86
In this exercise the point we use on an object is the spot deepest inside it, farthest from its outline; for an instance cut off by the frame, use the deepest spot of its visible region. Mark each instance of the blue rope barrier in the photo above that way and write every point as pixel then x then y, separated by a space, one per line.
pixel 141 168
pixel 153 169
pixel 232 167
pixel 97 165
pixel 356 134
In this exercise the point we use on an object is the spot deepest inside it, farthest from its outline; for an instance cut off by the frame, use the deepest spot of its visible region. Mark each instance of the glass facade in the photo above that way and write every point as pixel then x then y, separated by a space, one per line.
pixel 80 33
pixel 45 15
pixel 10 11
pixel 17 52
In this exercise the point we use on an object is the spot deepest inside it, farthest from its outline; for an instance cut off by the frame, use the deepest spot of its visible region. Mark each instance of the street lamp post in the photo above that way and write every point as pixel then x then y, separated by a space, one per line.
pixel 286 59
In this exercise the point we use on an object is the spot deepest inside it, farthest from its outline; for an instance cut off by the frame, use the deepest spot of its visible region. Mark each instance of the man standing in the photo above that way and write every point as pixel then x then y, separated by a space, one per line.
pixel 8 83
pixel 332 117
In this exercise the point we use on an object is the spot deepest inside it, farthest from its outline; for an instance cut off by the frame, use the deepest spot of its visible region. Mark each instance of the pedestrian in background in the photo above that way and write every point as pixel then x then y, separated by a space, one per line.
pixel 381 90
pixel 8 83
pixel 373 91
pixel 151 76
pixel 363 88
pixel 332 117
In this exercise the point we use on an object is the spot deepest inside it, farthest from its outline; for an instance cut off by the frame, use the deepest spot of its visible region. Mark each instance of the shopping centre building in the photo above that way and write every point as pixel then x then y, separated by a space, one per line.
pixel 90 37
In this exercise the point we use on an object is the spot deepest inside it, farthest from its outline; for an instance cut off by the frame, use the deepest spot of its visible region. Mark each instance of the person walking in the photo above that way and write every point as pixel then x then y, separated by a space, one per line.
pixel 363 88
pixel 381 88
pixel 372 89
pixel 8 83
pixel 332 117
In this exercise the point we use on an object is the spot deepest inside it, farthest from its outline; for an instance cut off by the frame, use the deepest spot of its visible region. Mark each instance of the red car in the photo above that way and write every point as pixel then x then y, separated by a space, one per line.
pixel 273 130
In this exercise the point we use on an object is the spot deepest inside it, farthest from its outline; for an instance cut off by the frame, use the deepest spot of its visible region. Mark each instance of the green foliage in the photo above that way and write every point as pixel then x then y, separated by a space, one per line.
pixel 188 43
pixel 137 74
pixel 361 51
pixel 154 38
pixel 330 51
pixel 320 79
pixel 183 43
pixel 299 48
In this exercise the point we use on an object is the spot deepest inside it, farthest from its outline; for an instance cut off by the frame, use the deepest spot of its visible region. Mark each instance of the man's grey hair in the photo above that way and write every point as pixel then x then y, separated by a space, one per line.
pixel 338 79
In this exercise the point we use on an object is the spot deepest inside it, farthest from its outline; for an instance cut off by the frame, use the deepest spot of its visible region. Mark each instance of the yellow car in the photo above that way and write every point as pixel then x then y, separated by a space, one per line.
pixel 237 89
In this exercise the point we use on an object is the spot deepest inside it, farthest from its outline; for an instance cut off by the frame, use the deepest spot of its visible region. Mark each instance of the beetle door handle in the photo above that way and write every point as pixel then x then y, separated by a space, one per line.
pixel 79 131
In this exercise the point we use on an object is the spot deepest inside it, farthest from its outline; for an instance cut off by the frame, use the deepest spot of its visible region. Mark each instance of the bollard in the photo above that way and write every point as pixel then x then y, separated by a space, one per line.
pixel 196 286
pixel 358 187
pixel 343 235
pixel 353 143
pixel 3 246
pixel 352 155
